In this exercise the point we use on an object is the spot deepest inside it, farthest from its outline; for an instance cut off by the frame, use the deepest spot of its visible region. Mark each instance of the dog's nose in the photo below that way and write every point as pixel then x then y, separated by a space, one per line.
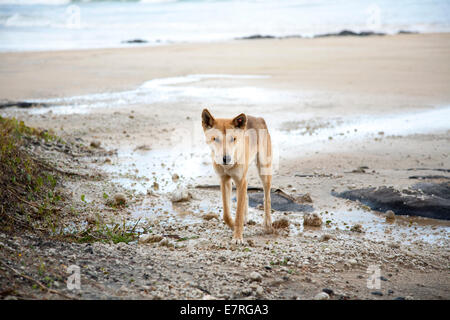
pixel 226 159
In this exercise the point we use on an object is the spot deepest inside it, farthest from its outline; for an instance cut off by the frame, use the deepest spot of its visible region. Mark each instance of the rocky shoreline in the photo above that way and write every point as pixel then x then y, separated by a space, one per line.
pixel 343 33
pixel 170 259
pixel 189 269
pixel 430 199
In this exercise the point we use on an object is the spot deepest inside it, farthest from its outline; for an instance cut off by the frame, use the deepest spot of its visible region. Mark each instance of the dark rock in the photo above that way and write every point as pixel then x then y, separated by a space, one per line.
pixel 280 202
pixel 441 190
pixel 260 36
pixel 431 200
pixel 346 33
pixel 256 37
pixel 377 293
pixel 328 291
pixel 343 33
pixel 430 177
pixel 22 104
pixel 400 298
pixel 407 32
pixel 135 41
pixel 428 169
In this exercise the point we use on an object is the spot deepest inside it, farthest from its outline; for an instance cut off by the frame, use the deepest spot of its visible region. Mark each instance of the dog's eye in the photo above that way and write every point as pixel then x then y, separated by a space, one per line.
pixel 215 139
pixel 233 139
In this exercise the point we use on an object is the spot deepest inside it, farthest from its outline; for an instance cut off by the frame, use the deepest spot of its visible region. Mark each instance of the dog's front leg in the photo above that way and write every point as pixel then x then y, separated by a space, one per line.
pixel 225 187
pixel 241 188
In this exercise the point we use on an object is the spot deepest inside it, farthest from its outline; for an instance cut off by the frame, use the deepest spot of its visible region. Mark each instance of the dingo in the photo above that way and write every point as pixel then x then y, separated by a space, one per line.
pixel 235 143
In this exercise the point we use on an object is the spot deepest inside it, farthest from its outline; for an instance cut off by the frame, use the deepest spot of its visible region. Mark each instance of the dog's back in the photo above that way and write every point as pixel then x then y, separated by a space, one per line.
pixel 261 144
pixel 256 123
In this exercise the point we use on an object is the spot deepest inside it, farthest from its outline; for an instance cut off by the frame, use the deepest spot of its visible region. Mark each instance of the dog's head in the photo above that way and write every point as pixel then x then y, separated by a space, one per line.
pixel 225 137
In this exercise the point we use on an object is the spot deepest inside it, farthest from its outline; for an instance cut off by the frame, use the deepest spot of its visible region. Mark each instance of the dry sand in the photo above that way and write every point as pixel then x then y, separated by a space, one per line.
pixel 338 79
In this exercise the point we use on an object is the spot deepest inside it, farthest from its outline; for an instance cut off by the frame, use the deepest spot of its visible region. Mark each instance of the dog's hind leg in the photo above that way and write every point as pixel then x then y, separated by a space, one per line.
pixel 264 165
pixel 246 209
pixel 225 186
pixel 266 181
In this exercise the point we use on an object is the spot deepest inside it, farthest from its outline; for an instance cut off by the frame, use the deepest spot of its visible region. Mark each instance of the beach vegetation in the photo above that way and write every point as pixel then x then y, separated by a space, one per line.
pixel 32 191
pixel 29 198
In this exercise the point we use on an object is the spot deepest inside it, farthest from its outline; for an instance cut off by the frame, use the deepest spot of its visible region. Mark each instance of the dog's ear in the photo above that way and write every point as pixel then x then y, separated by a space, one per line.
pixel 207 119
pixel 240 121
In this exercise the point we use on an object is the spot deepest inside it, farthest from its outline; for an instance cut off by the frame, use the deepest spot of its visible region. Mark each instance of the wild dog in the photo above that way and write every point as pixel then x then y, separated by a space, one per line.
pixel 235 143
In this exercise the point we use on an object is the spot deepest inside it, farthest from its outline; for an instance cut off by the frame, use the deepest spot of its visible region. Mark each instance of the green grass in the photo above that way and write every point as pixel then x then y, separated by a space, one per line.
pixel 106 233
pixel 28 184
pixel 187 238
pixel 29 199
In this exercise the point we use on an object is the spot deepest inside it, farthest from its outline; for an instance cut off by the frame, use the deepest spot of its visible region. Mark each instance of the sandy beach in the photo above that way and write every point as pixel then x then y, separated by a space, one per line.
pixel 411 65
pixel 346 113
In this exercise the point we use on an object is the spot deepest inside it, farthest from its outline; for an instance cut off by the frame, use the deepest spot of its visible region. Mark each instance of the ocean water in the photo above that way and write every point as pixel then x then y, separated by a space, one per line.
pixel 77 24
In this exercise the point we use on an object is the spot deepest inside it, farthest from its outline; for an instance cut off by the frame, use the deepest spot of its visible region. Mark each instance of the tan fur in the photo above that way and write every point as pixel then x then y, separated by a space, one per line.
pixel 242 140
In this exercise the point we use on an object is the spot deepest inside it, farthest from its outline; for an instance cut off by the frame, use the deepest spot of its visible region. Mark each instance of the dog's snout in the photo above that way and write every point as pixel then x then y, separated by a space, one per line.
pixel 226 159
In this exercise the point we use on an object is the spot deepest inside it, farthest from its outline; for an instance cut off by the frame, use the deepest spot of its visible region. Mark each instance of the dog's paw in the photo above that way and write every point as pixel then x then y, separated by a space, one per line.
pixel 230 224
pixel 268 228
pixel 237 240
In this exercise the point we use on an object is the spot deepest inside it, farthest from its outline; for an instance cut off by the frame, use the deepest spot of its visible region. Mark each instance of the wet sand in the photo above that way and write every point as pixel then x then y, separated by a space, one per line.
pixel 414 65
pixel 332 106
